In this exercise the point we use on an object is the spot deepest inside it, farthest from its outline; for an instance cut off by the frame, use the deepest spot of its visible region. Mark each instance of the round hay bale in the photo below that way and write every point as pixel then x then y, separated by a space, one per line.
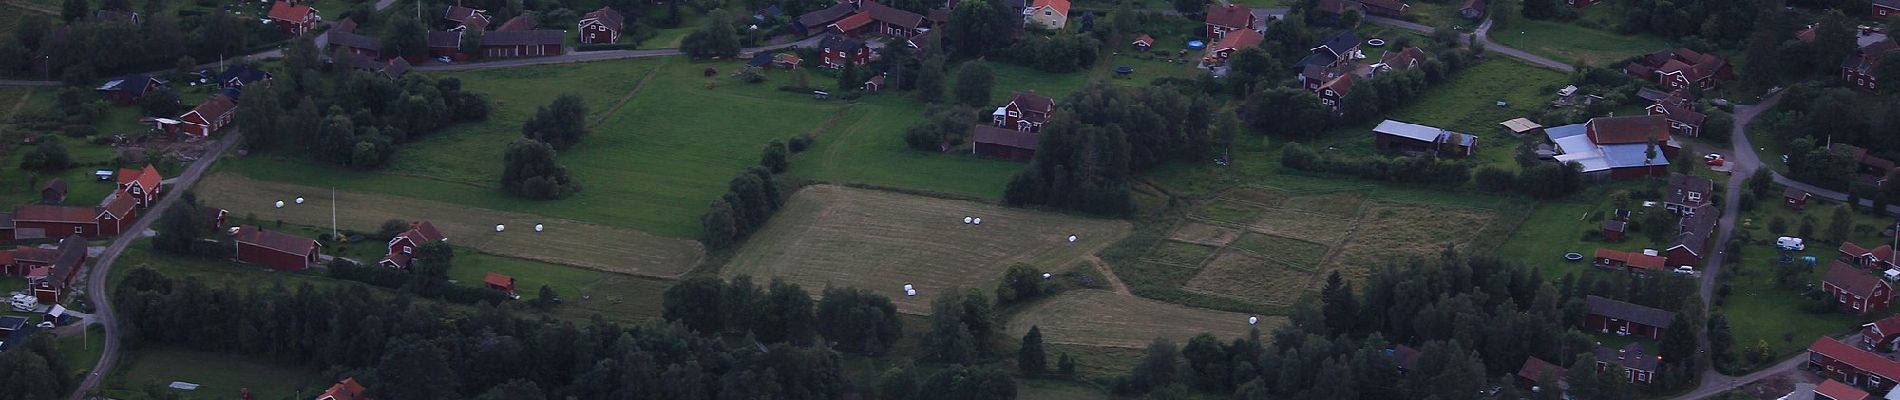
pixel 280 204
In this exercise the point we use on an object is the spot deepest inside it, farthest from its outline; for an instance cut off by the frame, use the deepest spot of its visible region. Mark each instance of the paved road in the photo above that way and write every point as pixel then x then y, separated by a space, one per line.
pixel 1483 33
pixel 596 56
pixel 1715 383
pixel 102 266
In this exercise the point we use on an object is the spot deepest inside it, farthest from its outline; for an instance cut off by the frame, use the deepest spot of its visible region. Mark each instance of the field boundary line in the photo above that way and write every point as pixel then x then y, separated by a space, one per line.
pixel 831 152
pixel 630 93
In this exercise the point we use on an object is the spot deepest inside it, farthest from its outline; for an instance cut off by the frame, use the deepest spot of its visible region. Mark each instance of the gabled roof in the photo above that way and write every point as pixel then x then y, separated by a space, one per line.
pixel 1403 59
pixel 1237 40
pixel 1677 112
pixel 120 207
pixel 137 84
pixel 397 67
pixel 464 14
pixel 1032 101
pixel 1520 125
pixel 523 38
pixel 826 16
pixel 423 232
pixel 1628 130
pixel 840 43
pixel 354 40
pixel 1060 6
pixel 893 16
pixel 1835 390
pixel 518 23
pixel 1794 193
pixel 1888 3
pixel 243 74
pixel 348 389
pixel 989 134
pixel 607 16
pixel 1231 15
pixel 498 279
pixel 1535 368
pixel 1630 357
pixel 445 39
pixel 275 240
pixel 1341 84
pixel 1614 225
pixel 72 253
pixel 147 178
pixel 1852 280
pixel 1145 40
pixel 1681 184
pixel 1849 248
pixel 1626 311
pixel 1632 259
pixel 51 213
pixel 56 185
pixel 1889 326
pixel 853 22
pixel 287 11
pixel 215 106
pixel 1857 358
pixel 1423 133
pixel 1339 43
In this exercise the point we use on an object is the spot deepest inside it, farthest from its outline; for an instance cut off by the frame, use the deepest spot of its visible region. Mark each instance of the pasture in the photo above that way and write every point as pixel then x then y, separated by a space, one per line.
pixel 1104 319
pixel 1569 42
pixel 831 235
pixel 566 242
pixel 220 376
pixel 1261 249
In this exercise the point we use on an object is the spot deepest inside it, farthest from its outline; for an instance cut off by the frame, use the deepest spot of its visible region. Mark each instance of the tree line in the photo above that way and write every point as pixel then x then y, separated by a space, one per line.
pixel 1475 320
pixel 348 117
pixel 1102 134
pixel 78 48
pixel 400 348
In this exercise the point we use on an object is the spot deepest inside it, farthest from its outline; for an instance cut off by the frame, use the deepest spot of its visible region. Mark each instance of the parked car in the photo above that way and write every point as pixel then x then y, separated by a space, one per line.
pixel 1685 270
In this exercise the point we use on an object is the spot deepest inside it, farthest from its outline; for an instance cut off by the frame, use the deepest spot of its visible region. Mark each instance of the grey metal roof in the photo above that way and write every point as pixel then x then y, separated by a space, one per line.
pixel 1410 130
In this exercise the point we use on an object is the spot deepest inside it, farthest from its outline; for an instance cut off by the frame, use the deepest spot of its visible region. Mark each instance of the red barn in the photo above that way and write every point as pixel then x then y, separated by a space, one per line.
pixel 1638 367
pixel 50 272
pixel 446 44
pixel 601 26
pixel 1026 111
pixel 466 18
pixel 206 118
pixel 1854 289
pixel 34 221
pixel 1606 315
pixel 535 43
pixel 1613 230
pixel 403 247
pixel 1835 360
pixel 1884 8
pixel 504 283
pixel 1796 199
pixel 294 17
pixel 1003 143
pixel 1222 19
pixel 278 250
pixel 1632 261
pixel 142 185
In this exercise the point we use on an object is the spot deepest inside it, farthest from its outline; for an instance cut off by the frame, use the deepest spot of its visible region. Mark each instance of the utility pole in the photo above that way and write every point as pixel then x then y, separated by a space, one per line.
pixel 333 212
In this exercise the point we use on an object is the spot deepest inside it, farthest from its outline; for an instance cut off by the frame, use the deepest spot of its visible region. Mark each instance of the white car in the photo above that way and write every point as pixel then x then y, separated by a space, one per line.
pixel 444 60
pixel 1685 270
pixel 47 324
pixel 1712 157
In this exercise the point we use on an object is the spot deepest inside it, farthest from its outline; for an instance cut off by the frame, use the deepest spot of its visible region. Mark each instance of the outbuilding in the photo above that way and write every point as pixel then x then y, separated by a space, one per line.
pixel 275 249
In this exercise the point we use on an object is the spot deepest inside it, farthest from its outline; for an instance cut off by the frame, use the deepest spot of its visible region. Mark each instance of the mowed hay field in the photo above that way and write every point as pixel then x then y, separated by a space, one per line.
pixel 1268 247
pixel 1105 319
pixel 877 240
pixel 565 242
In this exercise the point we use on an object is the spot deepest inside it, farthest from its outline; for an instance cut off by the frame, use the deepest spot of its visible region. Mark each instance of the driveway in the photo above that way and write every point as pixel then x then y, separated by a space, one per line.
pixel 102 266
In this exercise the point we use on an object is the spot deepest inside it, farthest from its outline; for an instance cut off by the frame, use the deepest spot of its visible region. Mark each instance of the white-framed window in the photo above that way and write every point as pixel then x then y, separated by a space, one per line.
pixel 1693 196
pixel 77 230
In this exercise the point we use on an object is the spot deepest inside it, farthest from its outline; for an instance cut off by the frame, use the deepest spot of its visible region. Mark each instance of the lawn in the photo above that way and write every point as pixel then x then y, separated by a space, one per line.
pixel 838 236
pixel 82 351
pixel 586 245
pixel 1098 318
pixel 1467 102
pixel 1557 227
pixel 220 376
pixel 1760 311
pixel 871 132
pixel 1570 43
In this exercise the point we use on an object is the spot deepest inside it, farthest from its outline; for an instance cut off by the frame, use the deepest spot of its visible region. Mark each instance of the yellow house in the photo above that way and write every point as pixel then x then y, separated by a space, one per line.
pixel 1047 14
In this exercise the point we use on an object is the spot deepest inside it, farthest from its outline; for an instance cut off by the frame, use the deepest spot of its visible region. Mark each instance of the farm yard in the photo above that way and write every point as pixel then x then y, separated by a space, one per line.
pixel 585 245
pixel 839 236
pixel 1260 249
pixel 1099 318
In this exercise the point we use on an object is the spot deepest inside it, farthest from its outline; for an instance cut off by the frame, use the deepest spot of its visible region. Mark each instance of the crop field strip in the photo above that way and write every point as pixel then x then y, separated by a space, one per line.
pixel 1105 319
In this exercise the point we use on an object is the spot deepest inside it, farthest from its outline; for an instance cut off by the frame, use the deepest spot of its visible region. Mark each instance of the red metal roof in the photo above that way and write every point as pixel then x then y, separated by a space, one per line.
pixel 1849 248
pixel 1061 6
pixel 499 280
pixel 1632 129
pixel 348 389
pixel 1857 358
pixel 1239 39
pixel 1534 369
pixel 518 23
pixel 1840 391
pixel 50 213
pixel 121 205
pixel 1145 40
pixel 1231 15
pixel 147 178
pixel 853 22
pixel 275 240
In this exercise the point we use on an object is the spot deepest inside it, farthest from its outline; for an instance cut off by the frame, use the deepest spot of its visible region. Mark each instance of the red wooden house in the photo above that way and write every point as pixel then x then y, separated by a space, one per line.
pixel 1681 68
pixel 294 17
pixel 49 273
pixel 1026 111
pixel 117 214
pixel 504 283
pixel 1628 261
pixel 1233 42
pixel 535 43
pixel 1879 258
pixel 1858 68
pixel 127 90
pixel 1796 199
pixel 601 26
pixel 1607 315
pixel 402 248
pixel 1678 109
pixel 1638 367
pixel 1613 230
pixel 1222 19
pixel 362 46
pixel 143 185
pixel 1835 390
pixel 201 121
pixel 1144 42
pixel 1880 335
pixel 347 389
pixel 1885 8
pixel 1835 360
pixel 1855 290
pixel 1003 143
pixel 872 18
pixel 275 249
pixel 835 50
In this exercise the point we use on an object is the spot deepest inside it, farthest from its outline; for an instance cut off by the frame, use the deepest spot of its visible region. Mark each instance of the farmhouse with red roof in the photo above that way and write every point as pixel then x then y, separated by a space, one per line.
pixel 294 17
pixel 1835 360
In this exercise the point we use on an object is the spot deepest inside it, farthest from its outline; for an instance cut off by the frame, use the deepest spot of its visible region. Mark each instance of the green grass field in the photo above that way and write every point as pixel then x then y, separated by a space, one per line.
pixel 82 351
pixel 1467 103
pixel 1760 311
pixel 220 375
pixel 1570 43
pixel 1097 318
pixel 838 236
